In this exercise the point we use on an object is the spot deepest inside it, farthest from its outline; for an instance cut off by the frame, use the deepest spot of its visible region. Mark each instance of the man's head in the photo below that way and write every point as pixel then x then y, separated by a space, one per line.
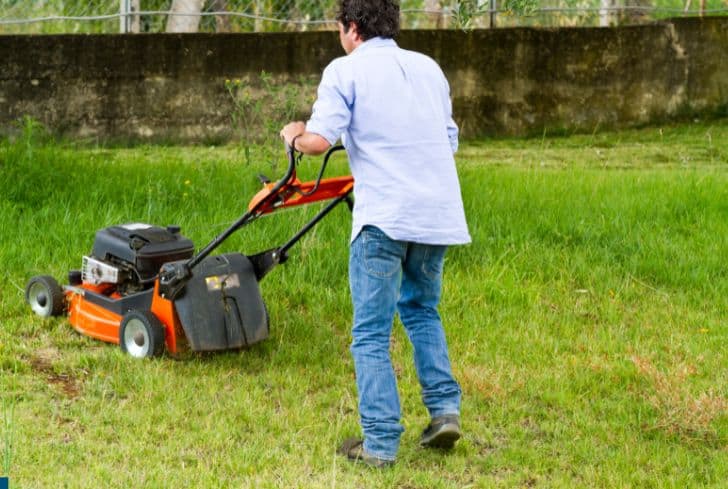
pixel 371 18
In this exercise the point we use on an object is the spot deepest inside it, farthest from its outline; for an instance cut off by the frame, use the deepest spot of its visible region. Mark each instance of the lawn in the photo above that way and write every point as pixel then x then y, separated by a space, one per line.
pixel 587 323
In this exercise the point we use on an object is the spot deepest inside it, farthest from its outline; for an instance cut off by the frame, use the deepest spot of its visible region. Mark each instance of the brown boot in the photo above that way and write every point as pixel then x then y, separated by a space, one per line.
pixel 442 432
pixel 353 449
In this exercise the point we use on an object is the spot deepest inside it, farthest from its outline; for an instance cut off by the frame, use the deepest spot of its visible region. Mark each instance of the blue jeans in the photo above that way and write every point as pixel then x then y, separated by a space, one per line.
pixel 388 276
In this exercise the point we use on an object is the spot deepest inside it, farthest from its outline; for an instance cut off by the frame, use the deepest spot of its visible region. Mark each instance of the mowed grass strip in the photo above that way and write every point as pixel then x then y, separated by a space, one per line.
pixel 587 323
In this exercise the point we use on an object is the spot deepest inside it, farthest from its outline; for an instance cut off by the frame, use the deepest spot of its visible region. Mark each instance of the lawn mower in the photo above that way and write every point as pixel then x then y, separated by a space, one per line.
pixel 144 288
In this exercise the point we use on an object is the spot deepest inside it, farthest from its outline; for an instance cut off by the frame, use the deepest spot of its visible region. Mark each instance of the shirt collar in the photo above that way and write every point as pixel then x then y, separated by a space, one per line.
pixel 375 42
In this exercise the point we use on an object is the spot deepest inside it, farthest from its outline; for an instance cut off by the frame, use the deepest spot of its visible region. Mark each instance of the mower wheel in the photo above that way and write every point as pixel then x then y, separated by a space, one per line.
pixel 45 296
pixel 141 334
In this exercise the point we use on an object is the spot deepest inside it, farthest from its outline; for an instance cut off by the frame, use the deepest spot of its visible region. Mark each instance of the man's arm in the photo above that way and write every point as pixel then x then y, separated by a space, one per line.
pixel 308 143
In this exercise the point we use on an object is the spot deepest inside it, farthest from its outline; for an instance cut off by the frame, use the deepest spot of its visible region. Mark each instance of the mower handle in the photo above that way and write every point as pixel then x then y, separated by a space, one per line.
pixel 289 149
pixel 245 218
pixel 173 276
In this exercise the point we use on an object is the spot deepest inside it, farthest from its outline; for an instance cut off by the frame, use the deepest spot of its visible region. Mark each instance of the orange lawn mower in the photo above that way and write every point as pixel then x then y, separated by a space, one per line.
pixel 144 288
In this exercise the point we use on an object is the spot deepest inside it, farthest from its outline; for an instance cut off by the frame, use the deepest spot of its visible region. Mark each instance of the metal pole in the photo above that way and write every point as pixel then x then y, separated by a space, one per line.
pixel 283 249
pixel 493 9
pixel 129 19
pixel 124 10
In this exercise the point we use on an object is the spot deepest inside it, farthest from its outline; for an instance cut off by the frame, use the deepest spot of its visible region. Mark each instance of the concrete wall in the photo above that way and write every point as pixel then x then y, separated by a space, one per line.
pixel 164 87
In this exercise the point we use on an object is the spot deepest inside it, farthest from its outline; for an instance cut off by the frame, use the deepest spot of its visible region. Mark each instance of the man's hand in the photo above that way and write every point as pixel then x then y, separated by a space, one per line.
pixel 307 142
pixel 291 130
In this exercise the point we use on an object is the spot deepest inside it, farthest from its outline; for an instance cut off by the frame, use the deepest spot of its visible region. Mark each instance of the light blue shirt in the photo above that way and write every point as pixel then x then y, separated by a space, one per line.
pixel 391 107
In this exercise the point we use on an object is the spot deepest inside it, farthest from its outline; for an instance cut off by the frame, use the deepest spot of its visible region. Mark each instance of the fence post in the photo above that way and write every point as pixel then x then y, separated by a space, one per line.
pixel 493 13
pixel 124 16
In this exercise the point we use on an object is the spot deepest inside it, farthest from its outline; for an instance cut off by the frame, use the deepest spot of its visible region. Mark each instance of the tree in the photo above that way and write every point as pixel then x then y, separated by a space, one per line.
pixel 607 13
pixel 186 20
pixel 127 21
pixel 222 22
pixel 435 13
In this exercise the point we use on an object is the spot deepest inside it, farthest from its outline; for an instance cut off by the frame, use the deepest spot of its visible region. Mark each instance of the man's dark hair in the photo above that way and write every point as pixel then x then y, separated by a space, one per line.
pixel 372 17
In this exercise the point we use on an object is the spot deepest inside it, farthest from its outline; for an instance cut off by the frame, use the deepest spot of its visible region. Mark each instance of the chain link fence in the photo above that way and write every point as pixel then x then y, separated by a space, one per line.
pixel 113 16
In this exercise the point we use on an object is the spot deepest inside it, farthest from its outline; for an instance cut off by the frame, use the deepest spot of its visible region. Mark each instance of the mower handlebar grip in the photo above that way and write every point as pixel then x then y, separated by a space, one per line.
pixel 290 152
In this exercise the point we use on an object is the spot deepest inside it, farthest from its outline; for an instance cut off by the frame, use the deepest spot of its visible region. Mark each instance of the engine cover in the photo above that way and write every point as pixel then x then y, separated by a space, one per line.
pixel 143 246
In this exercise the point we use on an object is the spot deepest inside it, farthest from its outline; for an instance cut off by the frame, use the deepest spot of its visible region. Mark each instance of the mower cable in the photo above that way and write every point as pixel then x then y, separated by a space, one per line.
pixel 145 281
pixel 321 172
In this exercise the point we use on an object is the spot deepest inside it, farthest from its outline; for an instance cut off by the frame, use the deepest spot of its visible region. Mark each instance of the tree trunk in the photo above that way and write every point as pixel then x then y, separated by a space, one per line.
pixel 222 22
pixel 259 11
pixel 135 20
pixel 434 13
pixel 185 23
pixel 607 14
pixel 129 22
pixel 635 14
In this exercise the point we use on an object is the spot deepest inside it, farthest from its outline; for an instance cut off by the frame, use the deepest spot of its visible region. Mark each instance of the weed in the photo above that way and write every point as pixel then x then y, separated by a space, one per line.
pixel 263 105
pixel 680 412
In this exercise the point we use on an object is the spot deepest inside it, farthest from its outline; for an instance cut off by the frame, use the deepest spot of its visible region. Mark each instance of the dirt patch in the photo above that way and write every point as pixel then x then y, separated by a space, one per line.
pixel 42 363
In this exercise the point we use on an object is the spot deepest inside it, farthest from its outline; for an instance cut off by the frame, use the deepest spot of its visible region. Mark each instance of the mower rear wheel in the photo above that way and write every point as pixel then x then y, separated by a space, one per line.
pixel 45 296
pixel 141 334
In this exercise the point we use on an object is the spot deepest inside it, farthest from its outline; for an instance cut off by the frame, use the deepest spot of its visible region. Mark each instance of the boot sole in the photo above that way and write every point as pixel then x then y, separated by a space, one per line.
pixel 445 437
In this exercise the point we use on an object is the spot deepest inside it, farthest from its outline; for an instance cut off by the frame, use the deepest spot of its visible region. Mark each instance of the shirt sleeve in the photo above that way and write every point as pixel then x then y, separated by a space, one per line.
pixel 331 112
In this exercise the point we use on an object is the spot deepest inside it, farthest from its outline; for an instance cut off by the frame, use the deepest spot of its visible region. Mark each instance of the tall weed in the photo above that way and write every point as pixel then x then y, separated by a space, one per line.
pixel 262 105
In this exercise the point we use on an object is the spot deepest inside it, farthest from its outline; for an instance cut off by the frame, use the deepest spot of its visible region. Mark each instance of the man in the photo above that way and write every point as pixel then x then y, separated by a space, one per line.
pixel 392 108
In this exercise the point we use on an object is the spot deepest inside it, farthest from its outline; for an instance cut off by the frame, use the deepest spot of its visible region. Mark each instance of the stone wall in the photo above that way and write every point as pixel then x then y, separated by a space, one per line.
pixel 168 87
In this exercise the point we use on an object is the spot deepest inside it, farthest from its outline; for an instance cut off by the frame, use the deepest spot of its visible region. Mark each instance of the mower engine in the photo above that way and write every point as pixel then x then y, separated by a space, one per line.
pixel 130 255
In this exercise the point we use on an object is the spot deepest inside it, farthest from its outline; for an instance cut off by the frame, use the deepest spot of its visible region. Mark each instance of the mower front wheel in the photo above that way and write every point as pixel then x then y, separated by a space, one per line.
pixel 141 334
pixel 45 296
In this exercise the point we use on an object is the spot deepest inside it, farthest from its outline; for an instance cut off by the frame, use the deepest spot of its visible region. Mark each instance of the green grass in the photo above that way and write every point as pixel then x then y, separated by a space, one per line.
pixel 587 324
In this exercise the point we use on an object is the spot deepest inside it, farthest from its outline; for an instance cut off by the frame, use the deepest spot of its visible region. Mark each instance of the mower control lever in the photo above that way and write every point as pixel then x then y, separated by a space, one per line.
pixel 172 278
